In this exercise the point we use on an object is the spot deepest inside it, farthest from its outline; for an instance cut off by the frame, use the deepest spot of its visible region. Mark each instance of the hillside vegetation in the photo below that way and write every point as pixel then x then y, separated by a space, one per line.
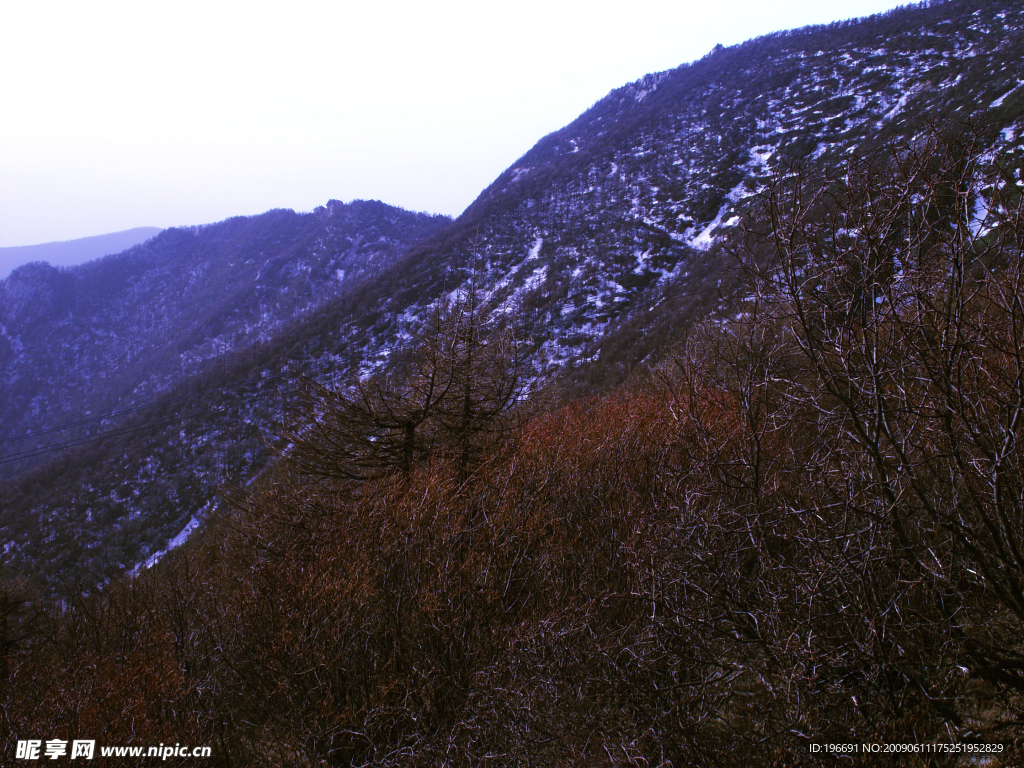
pixel 805 526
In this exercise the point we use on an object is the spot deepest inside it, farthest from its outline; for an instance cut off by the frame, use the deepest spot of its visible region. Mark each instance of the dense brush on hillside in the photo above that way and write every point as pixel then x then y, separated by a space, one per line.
pixel 806 527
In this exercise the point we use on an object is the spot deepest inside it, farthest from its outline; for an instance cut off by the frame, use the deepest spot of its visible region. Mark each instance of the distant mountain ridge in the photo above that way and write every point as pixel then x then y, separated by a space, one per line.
pixel 604 241
pixel 109 333
pixel 69 253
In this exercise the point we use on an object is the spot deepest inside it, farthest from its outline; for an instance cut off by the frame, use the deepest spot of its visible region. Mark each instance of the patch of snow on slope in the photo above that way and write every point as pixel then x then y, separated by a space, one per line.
pixel 706 238
pixel 535 249
pixel 759 157
pixel 499 285
pixel 897 107
pixel 999 102
pixel 538 276
pixel 177 541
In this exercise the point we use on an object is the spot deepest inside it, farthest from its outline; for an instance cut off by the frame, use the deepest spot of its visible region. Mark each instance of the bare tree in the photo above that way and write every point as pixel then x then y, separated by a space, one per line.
pixel 463 384
pixel 899 284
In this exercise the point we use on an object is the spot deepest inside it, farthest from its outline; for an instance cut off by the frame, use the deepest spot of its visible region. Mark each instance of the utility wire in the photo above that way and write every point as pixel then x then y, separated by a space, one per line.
pixel 653 301
pixel 158 403
pixel 147 425
pixel 162 422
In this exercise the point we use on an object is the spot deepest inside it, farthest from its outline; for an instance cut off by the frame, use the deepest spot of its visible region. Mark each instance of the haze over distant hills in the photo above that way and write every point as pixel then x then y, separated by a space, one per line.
pixel 68 253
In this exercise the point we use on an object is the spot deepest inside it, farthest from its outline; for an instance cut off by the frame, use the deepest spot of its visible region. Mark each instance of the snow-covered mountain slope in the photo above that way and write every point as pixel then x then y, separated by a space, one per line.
pixel 603 240
pixel 603 216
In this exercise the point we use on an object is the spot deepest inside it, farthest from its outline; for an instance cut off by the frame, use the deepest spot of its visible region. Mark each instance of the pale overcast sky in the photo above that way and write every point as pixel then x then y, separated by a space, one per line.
pixel 124 114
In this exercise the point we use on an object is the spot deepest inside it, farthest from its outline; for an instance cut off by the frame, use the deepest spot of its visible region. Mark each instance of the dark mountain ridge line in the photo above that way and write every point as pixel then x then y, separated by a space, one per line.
pixel 67 253
pixel 720 65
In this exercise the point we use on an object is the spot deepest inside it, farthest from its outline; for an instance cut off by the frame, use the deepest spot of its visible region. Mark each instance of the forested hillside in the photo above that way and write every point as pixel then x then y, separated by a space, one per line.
pixel 113 333
pixel 132 383
pixel 179 365
pixel 804 527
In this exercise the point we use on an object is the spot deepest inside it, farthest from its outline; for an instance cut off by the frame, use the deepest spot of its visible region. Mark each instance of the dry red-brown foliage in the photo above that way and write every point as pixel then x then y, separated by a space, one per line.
pixel 806 528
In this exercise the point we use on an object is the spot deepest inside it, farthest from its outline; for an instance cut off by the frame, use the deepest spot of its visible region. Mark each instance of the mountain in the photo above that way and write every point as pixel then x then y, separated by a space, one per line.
pixel 155 323
pixel 601 244
pixel 628 202
pixel 109 335
pixel 68 253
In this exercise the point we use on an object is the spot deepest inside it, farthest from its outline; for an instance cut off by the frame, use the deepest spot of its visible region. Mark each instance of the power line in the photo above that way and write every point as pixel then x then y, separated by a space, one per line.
pixel 163 422
pixel 638 304
pixel 137 427
pixel 156 404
